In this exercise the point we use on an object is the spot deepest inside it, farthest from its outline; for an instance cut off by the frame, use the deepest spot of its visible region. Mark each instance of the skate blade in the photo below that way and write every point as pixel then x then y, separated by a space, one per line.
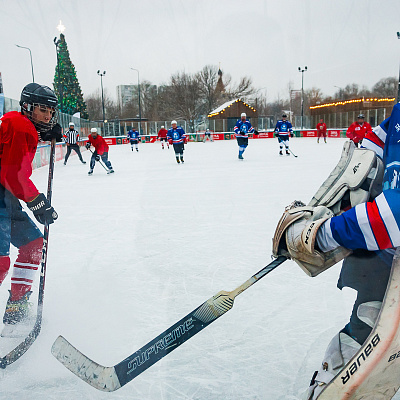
pixel 17 330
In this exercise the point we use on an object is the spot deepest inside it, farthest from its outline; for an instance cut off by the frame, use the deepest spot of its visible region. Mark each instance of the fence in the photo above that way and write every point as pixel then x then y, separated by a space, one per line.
pixel 83 126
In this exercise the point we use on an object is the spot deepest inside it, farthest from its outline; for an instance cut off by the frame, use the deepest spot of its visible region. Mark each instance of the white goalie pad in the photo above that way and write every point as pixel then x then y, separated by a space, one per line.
pixel 373 373
pixel 357 178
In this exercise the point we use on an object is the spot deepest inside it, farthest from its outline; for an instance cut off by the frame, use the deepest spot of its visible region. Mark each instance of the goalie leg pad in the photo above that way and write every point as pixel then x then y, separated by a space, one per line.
pixel 339 352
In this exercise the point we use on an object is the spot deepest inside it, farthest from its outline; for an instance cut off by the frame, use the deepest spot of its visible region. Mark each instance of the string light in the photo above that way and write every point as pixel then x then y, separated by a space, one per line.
pixel 342 103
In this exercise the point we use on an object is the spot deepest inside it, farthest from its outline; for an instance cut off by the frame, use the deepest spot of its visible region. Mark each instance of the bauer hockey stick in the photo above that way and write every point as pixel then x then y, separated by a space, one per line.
pixel 18 351
pixel 109 379
pixel 100 162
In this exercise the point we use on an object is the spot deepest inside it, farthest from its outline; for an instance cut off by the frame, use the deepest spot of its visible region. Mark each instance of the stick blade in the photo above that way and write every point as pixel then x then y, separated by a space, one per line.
pixel 101 378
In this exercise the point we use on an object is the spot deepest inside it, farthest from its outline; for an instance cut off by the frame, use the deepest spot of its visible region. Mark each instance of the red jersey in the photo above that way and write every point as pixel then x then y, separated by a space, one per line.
pixel 321 127
pixel 162 133
pixel 18 144
pixel 99 144
pixel 357 132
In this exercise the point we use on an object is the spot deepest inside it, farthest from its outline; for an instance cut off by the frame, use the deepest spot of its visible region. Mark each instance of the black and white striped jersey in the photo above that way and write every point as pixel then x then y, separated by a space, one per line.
pixel 71 137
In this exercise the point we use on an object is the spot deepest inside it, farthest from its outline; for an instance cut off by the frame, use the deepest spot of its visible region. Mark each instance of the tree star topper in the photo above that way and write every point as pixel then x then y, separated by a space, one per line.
pixel 61 27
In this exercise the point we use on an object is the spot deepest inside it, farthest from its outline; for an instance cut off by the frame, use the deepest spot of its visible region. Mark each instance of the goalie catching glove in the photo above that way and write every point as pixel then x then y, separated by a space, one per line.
pixel 296 238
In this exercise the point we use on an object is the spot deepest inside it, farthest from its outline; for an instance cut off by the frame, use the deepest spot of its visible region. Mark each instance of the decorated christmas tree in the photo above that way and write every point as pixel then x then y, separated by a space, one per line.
pixel 66 85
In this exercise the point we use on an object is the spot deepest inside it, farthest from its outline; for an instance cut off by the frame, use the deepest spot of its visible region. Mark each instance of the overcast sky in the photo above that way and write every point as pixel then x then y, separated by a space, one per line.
pixel 340 41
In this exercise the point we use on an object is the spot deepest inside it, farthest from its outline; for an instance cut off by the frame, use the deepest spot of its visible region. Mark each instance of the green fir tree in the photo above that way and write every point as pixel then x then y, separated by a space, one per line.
pixel 66 85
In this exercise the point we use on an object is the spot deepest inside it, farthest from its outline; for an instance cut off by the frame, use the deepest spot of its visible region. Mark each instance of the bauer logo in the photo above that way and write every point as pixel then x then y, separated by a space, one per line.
pixel 355 169
pixel 308 233
pixel 394 356
pixel 360 359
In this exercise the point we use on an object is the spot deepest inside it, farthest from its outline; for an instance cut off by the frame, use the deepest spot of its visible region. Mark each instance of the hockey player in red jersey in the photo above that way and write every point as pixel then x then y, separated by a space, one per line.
pixel 162 136
pixel 100 152
pixel 19 136
pixel 358 129
pixel 321 130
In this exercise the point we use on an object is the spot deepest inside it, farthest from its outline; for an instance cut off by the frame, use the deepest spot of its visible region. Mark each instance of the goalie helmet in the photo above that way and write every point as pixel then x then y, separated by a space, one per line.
pixel 35 95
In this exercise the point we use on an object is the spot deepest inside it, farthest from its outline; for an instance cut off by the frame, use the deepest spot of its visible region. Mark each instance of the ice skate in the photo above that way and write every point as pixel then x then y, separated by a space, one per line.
pixel 110 171
pixel 280 153
pixel 287 153
pixel 83 162
pixel 240 157
pixel 177 160
pixel 90 172
pixel 16 317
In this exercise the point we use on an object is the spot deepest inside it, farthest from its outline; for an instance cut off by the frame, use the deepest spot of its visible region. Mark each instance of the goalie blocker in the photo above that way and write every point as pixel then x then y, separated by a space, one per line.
pixel 357 178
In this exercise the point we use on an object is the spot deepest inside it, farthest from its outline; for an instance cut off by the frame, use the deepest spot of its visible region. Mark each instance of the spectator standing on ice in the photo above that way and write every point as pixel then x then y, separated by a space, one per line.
pixel 19 136
pixel 133 136
pixel 242 129
pixel 321 130
pixel 100 152
pixel 71 138
pixel 162 136
pixel 207 135
pixel 358 129
pixel 177 137
pixel 283 130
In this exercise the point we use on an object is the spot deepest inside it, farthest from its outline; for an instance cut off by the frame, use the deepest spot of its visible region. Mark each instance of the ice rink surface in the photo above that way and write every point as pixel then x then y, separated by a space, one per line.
pixel 134 252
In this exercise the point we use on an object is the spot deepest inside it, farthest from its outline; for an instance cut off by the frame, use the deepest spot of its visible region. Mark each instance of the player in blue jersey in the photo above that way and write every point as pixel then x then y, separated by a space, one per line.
pixel 177 137
pixel 242 129
pixel 283 130
pixel 365 236
pixel 133 136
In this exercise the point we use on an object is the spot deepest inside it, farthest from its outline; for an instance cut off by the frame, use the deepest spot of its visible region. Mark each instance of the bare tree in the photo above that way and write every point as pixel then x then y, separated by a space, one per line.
pixel 386 87
pixel 95 106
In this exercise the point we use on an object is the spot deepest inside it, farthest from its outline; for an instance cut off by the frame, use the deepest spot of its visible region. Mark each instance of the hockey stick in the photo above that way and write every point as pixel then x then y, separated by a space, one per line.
pixel 18 351
pixel 292 153
pixel 100 161
pixel 109 379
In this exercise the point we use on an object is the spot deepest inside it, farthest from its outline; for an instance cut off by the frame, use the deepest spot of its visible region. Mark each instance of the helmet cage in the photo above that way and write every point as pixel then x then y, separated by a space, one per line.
pixel 34 95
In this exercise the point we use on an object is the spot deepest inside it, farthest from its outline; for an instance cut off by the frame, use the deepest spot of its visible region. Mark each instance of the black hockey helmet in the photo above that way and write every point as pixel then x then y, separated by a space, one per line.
pixel 34 94
pixel 284 115
pixel 361 116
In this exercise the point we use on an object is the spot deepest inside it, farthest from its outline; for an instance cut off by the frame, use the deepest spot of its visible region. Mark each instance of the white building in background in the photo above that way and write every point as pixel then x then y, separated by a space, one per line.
pixel 125 94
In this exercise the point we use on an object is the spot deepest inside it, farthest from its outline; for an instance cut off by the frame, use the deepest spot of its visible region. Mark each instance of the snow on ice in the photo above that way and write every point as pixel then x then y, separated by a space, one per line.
pixel 134 252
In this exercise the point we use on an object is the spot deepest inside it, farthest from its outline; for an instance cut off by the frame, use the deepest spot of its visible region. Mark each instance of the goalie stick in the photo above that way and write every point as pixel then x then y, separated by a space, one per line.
pixel 109 379
pixel 21 349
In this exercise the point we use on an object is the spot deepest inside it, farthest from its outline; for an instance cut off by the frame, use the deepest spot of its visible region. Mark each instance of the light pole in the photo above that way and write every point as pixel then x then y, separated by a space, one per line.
pixel 302 93
pixel 30 53
pixel 340 91
pixel 398 90
pixel 102 93
pixel 140 112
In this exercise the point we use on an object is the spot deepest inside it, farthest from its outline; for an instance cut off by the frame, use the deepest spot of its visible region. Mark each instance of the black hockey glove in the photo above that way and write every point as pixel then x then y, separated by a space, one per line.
pixel 291 135
pixel 42 209
pixel 97 158
pixel 54 133
pixel 87 145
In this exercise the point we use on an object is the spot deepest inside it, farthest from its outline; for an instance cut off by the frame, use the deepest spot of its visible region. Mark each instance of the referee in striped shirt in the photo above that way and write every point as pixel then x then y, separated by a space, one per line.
pixel 71 137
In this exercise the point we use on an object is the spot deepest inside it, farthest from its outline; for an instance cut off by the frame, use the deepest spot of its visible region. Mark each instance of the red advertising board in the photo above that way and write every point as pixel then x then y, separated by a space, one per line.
pixel 218 136
pixel 334 133
pixel 263 135
pixel 110 140
pixel 308 133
